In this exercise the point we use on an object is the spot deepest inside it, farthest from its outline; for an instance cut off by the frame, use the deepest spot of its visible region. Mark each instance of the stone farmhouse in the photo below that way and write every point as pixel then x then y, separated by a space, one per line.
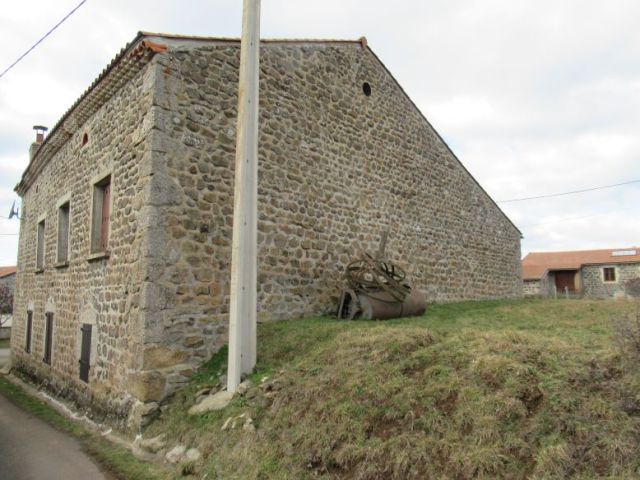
pixel 587 273
pixel 125 244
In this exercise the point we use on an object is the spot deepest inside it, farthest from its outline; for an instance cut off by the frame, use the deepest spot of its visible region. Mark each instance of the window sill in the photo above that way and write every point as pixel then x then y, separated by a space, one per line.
pixel 39 270
pixel 64 264
pixel 98 256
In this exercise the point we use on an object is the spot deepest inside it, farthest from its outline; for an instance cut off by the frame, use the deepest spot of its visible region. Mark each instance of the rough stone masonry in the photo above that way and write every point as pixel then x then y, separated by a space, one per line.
pixel 344 155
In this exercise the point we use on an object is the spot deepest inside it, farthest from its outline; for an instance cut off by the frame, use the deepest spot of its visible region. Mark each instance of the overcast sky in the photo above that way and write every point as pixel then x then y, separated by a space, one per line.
pixel 533 96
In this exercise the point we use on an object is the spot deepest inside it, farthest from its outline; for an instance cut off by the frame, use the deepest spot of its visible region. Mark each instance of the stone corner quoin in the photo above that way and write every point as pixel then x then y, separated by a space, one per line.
pixel 343 156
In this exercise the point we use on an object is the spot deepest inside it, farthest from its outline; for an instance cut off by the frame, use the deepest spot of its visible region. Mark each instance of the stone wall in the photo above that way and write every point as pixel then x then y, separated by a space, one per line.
pixel 548 285
pixel 101 290
pixel 337 168
pixel 531 288
pixel 594 285
pixel 545 287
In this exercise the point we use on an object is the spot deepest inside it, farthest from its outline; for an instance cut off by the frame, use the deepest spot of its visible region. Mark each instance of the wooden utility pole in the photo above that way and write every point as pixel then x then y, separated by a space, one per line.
pixel 243 305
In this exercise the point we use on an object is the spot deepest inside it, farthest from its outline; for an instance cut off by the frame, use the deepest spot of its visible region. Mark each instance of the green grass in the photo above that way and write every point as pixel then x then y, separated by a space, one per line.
pixel 5 343
pixel 114 458
pixel 501 389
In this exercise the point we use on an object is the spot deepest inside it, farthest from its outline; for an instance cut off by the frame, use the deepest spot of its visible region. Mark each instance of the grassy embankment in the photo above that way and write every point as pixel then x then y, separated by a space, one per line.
pixel 526 389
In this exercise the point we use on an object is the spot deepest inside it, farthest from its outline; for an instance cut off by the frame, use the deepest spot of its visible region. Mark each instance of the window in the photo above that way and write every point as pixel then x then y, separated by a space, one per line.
pixel 40 247
pixel 609 274
pixel 48 337
pixel 100 218
pixel 63 233
pixel 27 343
pixel 85 352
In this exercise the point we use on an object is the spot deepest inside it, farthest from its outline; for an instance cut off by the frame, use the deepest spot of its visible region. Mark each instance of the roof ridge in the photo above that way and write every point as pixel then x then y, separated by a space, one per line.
pixel 176 36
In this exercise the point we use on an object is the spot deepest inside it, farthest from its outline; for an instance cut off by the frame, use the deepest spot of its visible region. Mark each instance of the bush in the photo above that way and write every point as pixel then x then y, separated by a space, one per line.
pixel 6 300
pixel 626 335
pixel 632 287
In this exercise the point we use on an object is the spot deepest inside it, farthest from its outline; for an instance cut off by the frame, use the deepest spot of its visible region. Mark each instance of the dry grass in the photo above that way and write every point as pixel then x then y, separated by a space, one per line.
pixel 513 390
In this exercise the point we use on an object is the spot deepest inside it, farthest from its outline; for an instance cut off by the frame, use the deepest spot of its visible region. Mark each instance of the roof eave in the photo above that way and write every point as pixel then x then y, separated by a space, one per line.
pixel 138 47
pixel 139 52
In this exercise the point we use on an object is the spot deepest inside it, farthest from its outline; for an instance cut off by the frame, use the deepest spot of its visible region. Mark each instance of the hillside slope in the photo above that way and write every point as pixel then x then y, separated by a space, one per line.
pixel 526 389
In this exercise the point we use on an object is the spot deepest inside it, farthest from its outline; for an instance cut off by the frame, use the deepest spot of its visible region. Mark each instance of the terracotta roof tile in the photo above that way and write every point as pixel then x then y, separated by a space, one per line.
pixel 6 271
pixel 536 264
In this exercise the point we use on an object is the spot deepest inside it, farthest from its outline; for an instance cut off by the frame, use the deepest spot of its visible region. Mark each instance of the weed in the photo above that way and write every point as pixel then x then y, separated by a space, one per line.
pixel 632 287
pixel 188 468
pixel 627 336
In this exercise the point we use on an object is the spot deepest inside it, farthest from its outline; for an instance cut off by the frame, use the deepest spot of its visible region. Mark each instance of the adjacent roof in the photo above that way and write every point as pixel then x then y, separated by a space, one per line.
pixel 536 264
pixel 6 271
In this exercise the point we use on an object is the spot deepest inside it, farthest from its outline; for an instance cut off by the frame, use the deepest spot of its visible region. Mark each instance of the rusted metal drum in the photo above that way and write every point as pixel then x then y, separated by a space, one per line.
pixel 380 305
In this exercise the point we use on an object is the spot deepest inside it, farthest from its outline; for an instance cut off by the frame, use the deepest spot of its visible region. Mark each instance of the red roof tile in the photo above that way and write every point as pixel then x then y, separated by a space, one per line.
pixel 536 264
pixel 6 271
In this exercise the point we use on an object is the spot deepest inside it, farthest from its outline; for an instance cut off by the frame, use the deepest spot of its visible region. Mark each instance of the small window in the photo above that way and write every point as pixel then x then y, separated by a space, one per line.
pixel 100 219
pixel 40 247
pixel 366 89
pixel 609 274
pixel 85 352
pixel 29 326
pixel 85 139
pixel 48 338
pixel 63 233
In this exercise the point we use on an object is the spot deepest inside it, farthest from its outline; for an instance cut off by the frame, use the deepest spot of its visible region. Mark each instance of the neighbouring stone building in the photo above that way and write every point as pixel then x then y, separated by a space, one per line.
pixel 586 273
pixel 8 277
pixel 125 244
pixel 8 280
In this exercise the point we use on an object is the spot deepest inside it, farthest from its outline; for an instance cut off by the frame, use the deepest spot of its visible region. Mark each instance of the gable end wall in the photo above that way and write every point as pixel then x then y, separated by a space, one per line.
pixel 336 170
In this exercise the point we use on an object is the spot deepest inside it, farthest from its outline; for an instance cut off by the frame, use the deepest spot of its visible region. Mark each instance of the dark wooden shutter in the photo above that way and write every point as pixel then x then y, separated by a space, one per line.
pixel 27 345
pixel 48 340
pixel 104 224
pixel 85 352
